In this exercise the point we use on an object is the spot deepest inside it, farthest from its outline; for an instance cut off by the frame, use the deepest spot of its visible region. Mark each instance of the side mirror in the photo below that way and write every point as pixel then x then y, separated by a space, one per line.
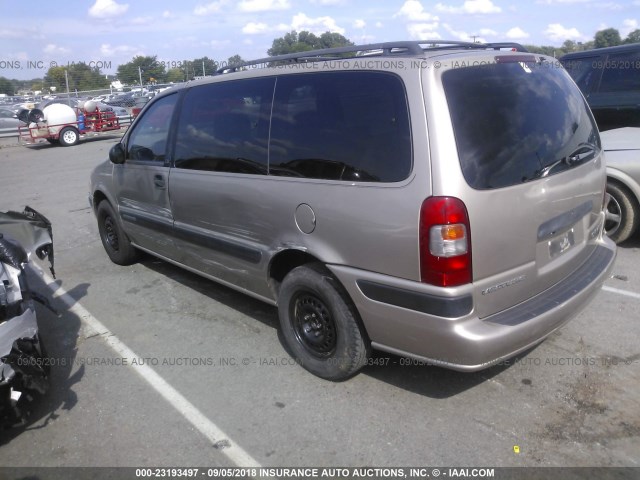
pixel 117 154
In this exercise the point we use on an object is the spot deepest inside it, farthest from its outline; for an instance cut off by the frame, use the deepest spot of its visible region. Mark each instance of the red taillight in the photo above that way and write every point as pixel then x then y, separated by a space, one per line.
pixel 445 242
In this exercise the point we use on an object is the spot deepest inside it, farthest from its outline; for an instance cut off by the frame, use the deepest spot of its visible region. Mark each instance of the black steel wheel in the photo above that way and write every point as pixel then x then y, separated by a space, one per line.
pixel 114 240
pixel 313 324
pixel 320 325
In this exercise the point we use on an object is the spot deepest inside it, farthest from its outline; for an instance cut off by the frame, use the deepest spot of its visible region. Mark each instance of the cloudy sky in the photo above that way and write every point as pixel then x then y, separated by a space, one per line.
pixel 113 31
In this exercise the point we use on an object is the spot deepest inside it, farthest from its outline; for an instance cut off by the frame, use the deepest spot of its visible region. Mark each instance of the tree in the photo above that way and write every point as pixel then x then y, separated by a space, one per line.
pixel 199 67
pixel 544 50
pixel 633 37
pixel 304 41
pixel 333 40
pixel 175 75
pixel 6 86
pixel 147 67
pixel 609 37
pixel 81 77
pixel 235 60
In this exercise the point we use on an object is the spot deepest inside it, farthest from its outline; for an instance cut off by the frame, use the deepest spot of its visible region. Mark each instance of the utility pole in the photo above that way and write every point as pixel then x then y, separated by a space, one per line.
pixel 140 76
pixel 66 79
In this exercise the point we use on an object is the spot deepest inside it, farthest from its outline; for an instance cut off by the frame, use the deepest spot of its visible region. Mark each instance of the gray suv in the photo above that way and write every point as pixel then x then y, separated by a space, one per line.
pixel 441 201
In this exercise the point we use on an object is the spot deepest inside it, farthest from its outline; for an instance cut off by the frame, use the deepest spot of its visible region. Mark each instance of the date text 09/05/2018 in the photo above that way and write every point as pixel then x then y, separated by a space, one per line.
pixel 313 472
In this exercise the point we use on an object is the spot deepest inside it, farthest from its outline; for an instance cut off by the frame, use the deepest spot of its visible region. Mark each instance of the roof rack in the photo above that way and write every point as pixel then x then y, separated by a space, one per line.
pixel 384 49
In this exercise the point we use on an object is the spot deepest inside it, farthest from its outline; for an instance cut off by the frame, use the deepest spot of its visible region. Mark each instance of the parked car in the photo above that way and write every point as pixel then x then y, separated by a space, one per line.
pixel 9 119
pixel 73 102
pixel 119 111
pixel 610 81
pixel 622 147
pixel 441 202
pixel 123 100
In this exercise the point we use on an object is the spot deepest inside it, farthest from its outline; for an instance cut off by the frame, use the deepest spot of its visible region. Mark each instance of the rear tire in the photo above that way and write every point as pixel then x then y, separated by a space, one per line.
pixel 114 240
pixel 319 324
pixel 622 213
pixel 68 136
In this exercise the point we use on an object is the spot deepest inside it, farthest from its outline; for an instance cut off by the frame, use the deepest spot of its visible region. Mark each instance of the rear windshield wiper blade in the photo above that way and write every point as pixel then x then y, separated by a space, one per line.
pixel 583 152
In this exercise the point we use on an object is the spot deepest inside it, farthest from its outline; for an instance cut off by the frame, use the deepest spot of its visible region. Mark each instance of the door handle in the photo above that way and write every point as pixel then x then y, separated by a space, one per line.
pixel 158 181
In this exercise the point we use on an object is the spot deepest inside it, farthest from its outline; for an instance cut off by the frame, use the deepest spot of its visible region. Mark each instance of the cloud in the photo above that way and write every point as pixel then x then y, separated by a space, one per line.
pixel 167 14
pixel 328 2
pixel 315 25
pixel 461 35
pixel 381 25
pixel 471 7
pixel 107 9
pixel 108 51
pixel 628 26
pixel 611 6
pixel 414 11
pixel 560 2
pixel 217 44
pixel 488 32
pixel 142 20
pixel 52 48
pixel 11 33
pixel 263 5
pixel 209 8
pixel 423 31
pixel 359 23
pixel 22 56
pixel 558 33
pixel 253 28
pixel 516 33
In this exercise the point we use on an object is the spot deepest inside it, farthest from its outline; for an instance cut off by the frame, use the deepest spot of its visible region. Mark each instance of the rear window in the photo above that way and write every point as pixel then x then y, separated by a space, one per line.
pixel 351 126
pixel 515 122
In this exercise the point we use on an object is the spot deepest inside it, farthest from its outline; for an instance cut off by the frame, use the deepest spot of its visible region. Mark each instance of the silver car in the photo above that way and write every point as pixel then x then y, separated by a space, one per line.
pixel 443 202
pixel 9 119
pixel 622 147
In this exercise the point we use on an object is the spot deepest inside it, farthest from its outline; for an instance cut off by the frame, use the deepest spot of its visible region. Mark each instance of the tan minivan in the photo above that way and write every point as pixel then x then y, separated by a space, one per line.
pixel 441 201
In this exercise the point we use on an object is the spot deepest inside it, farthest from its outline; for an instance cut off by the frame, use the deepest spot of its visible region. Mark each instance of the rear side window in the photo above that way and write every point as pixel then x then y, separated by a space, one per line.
pixel 351 126
pixel 224 127
pixel 515 122
pixel 621 73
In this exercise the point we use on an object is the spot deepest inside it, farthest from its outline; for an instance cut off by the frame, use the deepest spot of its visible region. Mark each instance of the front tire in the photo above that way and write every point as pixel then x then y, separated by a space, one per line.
pixel 114 240
pixel 622 213
pixel 68 136
pixel 319 324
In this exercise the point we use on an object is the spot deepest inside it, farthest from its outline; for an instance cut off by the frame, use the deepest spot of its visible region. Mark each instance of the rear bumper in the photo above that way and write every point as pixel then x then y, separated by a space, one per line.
pixel 413 329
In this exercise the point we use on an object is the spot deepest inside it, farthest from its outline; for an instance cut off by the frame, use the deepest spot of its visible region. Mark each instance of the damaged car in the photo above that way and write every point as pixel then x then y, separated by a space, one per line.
pixel 23 371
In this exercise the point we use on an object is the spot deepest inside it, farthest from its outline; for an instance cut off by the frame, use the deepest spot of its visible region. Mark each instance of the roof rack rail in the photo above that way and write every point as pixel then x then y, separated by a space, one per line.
pixel 384 49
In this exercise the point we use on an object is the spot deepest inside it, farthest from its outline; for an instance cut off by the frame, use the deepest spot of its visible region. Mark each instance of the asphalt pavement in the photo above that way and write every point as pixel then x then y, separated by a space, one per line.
pixel 154 366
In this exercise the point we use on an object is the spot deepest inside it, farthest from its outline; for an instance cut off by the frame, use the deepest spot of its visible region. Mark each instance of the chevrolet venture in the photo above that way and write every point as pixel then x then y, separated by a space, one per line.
pixel 441 201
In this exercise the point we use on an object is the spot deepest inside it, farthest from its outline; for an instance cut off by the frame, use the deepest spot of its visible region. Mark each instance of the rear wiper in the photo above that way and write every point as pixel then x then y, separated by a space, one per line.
pixel 582 152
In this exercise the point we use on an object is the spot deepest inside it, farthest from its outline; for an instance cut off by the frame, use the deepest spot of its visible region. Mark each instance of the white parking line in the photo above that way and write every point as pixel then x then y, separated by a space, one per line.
pixel 191 413
pixel 626 293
